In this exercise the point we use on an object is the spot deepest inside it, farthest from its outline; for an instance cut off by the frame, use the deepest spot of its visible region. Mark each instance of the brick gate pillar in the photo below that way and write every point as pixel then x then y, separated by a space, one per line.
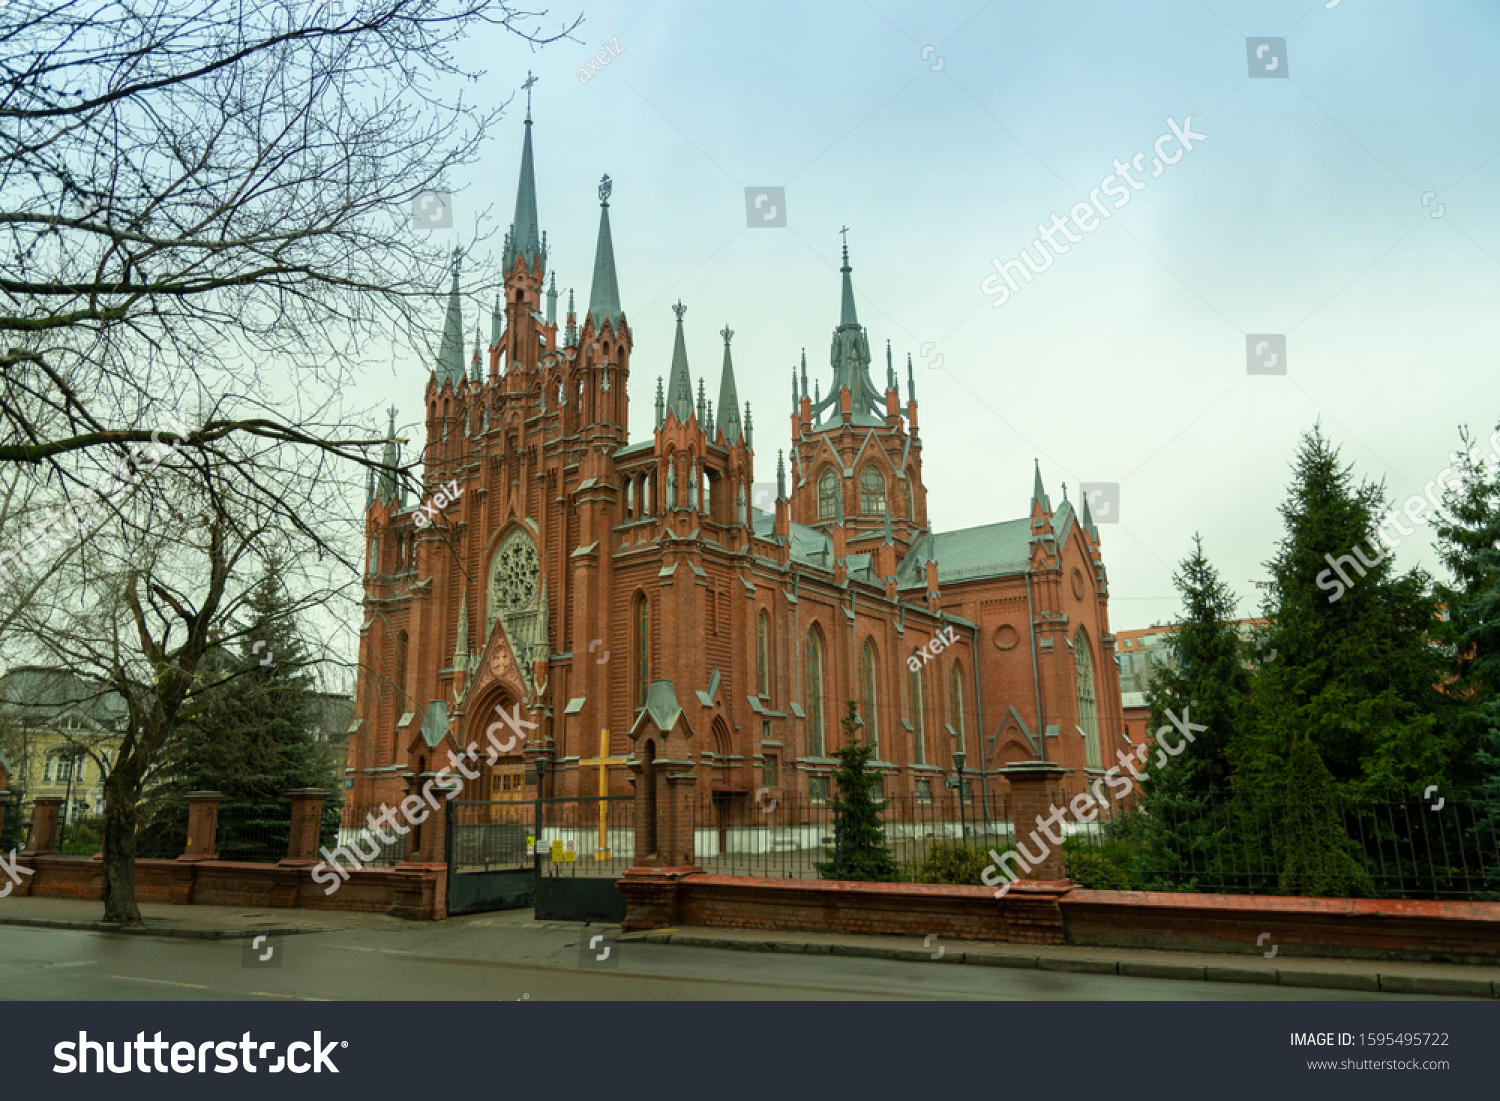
pixel 307 826
pixel 1035 789
pixel 44 815
pixel 203 825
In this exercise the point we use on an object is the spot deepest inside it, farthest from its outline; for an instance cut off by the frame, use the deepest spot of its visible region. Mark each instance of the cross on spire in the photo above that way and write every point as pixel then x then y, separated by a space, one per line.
pixel 530 80
pixel 845 233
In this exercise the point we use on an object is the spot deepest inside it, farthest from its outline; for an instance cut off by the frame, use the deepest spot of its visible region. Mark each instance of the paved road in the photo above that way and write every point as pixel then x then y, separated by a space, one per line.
pixel 509 957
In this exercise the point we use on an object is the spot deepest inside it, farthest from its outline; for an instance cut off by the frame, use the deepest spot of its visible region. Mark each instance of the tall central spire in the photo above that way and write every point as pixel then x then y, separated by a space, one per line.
pixel 849 357
pixel 525 236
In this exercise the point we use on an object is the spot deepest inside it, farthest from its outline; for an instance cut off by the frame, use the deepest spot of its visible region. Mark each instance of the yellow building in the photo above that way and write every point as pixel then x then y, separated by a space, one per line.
pixel 59 733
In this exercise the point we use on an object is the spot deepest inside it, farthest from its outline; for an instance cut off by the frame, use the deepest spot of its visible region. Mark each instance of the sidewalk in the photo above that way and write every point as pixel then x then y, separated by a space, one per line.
pixel 201 922
pixel 1388 976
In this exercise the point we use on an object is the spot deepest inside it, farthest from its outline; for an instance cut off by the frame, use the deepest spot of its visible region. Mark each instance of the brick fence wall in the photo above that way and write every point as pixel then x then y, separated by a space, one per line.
pixel 418 892
pixel 1054 913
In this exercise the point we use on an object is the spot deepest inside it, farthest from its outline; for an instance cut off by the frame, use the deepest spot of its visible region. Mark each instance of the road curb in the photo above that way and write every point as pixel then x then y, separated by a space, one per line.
pixel 1087 965
pixel 154 931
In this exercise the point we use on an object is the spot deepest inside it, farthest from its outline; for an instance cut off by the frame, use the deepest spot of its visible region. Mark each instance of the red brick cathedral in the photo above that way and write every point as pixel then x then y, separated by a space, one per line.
pixel 608 585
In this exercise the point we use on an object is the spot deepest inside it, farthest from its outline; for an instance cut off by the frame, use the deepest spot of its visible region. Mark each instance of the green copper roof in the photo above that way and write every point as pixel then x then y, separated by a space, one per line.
pixel 1038 491
pixel 450 366
pixel 604 297
pixel 988 551
pixel 525 234
pixel 729 398
pixel 680 383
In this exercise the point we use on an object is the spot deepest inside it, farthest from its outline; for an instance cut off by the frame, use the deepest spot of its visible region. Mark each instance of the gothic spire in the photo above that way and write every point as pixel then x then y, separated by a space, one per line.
pixel 804 372
pixel 911 382
pixel 702 409
pixel 890 372
pixel 850 358
pixel 450 366
pixel 387 487
pixel 552 299
pixel 661 408
pixel 604 296
pixel 461 642
pixel 526 236
pixel 680 383
pixel 475 363
pixel 729 398
pixel 570 337
pixel 1038 491
pixel 781 475
pixel 495 323
pixel 749 429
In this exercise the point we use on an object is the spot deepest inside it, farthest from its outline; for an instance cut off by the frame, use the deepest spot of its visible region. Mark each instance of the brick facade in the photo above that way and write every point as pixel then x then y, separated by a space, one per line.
pixel 554 565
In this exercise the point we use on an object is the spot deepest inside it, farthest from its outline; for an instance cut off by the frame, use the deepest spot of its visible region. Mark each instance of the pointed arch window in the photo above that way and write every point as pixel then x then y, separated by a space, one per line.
pixel 814 694
pixel 867 696
pixel 956 689
pixel 1088 709
pixel 918 718
pixel 872 492
pixel 642 630
pixel 828 489
pixel 763 656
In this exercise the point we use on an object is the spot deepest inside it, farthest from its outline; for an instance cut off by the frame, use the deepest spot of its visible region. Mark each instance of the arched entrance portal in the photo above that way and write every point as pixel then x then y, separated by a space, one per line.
pixel 501 766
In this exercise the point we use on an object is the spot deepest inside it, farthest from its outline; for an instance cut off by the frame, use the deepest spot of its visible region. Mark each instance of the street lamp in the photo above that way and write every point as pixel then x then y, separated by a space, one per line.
pixel 959 757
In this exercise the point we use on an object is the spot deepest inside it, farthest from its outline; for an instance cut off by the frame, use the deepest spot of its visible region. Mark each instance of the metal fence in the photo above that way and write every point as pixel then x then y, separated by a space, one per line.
pixel 372 846
pixel 788 838
pixel 1246 843
pixel 254 834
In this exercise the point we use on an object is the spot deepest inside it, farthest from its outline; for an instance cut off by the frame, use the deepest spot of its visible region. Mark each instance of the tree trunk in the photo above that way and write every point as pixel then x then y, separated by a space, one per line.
pixel 119 850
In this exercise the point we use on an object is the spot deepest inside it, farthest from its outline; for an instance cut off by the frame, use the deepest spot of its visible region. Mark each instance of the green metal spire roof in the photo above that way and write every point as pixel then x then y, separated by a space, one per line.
pixel 850 358
pixel 604 296
pixel 1038 491
pixel 450 366
pixel 526 235
pixel 387 488
pixel 680 383
pixel 729 398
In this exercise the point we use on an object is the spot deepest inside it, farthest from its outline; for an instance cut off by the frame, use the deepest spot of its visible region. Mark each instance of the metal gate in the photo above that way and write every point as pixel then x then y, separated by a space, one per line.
pixel 489 867
pixel 586 844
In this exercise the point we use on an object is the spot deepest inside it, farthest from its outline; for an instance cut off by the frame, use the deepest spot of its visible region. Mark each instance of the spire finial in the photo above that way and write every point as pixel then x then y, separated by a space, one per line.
pixel 679 309
pixel 845 233
pixel 605 187
pixel 727 333
pixel 530 80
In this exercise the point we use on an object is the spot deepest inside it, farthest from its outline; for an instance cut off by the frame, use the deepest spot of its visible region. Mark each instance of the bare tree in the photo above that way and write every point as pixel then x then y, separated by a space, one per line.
pixel 201 202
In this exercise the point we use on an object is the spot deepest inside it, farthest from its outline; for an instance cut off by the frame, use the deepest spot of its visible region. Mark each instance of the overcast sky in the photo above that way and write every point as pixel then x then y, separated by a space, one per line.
pixel 1302 213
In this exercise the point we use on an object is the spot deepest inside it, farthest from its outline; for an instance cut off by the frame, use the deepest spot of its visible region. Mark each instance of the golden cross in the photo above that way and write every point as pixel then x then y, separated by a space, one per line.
pixel 602 762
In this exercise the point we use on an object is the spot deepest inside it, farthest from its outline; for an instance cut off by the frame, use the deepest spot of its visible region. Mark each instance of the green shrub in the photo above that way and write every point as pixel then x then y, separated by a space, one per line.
pixel 950 862
pixel 83 837
pixel 1091 868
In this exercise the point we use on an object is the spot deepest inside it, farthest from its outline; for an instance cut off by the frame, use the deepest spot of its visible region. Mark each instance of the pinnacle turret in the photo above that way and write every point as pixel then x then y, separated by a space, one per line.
pixel 604 295
pixel 729 398
pixel 680 383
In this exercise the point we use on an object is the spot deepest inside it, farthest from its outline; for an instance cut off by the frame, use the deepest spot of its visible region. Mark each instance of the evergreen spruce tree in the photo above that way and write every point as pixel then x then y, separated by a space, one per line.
pixel 1206 678
pixel 1469 546
pixel 1206 684
pixel 1356 671
pixel 1317 856
pixel 859 849
pixel 254 739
